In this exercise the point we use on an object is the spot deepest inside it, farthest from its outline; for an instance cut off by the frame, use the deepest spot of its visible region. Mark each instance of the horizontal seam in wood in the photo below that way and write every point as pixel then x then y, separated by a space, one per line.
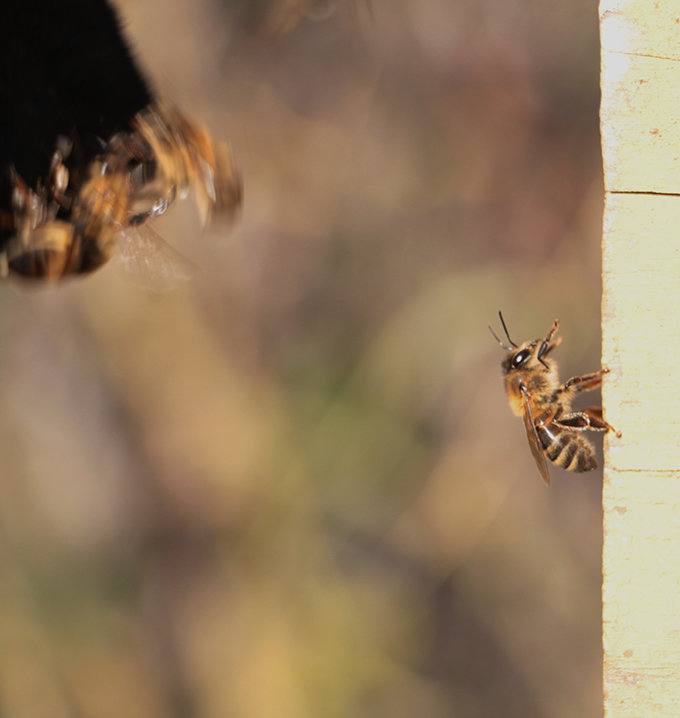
pixel 643 192
pixel 642 54
pixel 643 471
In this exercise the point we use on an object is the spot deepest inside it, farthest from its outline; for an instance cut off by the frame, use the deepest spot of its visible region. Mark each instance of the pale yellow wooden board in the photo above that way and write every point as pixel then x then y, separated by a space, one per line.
pixel 641 344
pixel 641 560
pixel 640 92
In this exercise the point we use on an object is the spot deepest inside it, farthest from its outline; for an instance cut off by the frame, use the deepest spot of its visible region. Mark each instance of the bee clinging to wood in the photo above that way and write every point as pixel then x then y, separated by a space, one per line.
pixel 535 393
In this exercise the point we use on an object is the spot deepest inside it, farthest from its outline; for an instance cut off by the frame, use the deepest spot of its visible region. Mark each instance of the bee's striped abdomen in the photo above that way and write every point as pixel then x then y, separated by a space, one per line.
pixel 566 448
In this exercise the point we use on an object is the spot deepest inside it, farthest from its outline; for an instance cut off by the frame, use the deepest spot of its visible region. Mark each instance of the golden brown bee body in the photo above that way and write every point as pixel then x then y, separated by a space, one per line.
pixel 536 394
pixel 69 224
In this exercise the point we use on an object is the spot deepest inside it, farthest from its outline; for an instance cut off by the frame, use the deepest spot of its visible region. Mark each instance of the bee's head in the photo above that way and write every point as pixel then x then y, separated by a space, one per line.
pixel 529 354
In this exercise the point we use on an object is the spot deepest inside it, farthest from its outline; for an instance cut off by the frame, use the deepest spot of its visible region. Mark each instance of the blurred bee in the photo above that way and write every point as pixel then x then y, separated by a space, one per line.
pixel 90 156
pixel 535 393
pixel 61 228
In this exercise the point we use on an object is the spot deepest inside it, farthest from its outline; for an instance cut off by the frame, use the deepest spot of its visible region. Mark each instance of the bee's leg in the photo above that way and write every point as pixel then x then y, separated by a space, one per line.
pixel 577 384
pixel 547 417
pixel 597 422
pixel 590 419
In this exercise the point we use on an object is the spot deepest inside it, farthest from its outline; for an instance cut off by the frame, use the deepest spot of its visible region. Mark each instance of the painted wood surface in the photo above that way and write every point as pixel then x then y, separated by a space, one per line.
pixel 640 117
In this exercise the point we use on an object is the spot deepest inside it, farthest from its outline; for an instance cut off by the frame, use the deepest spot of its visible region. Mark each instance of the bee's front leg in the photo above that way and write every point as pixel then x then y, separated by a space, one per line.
pixel 586 382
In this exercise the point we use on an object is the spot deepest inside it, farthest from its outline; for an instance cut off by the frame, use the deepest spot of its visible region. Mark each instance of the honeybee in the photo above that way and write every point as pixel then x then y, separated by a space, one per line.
pixel 71 221
pixel 535 393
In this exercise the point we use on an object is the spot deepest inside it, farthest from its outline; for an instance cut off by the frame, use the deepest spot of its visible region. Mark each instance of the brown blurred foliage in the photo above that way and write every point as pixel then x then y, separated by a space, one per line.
pixel 293 487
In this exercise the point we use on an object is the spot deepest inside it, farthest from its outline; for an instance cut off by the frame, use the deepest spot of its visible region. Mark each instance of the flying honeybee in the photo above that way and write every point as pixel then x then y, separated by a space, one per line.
pixel 88 154
pixel 535 393
pixel 70 226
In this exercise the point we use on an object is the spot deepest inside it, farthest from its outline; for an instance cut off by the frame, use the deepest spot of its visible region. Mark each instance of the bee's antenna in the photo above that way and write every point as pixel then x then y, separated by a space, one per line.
pixel 512 344
pixel 495 336
pixel 500 314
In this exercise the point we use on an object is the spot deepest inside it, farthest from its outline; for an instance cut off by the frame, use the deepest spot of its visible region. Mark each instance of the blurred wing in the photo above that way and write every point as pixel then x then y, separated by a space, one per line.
pixel 534 441
pixel 150 262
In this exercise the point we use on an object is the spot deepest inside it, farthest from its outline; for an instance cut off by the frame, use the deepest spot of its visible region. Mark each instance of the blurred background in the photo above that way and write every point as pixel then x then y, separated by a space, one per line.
pixel 293 487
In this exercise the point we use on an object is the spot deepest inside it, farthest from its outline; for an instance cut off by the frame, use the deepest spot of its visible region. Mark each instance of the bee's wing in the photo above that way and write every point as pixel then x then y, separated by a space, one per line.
pixel 150 262
pixel 534 441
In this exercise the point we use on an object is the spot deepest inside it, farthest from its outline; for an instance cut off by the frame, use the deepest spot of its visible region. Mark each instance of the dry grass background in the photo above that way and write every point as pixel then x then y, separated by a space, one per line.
pixel 293 487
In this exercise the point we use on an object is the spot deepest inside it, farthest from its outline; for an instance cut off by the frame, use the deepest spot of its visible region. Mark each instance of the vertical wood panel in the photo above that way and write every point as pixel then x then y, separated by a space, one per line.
pixel 641 345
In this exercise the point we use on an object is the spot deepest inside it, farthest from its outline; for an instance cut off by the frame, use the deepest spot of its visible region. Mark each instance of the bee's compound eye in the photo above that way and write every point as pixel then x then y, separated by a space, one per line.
pixel 520 358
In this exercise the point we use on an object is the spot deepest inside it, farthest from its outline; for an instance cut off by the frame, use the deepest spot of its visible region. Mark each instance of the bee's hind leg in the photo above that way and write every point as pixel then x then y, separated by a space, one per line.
pixel 591 419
